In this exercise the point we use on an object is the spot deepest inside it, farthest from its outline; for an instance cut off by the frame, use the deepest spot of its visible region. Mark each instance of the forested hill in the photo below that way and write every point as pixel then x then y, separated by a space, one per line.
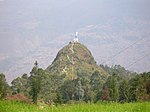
pixel 74 76
pixel 121 71
pixel 75 58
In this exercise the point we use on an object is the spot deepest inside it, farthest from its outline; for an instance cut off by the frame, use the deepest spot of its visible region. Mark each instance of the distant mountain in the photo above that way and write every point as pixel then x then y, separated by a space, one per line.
pixel 74 58
pixel 36 30
pixel 102 40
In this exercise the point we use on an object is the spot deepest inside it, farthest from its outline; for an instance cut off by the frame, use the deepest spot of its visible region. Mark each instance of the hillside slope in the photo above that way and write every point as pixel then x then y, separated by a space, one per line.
pixel 72 59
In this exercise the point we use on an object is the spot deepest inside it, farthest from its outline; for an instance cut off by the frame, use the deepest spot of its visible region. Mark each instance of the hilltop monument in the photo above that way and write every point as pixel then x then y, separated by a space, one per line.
pixel 74 59
pixel 76 38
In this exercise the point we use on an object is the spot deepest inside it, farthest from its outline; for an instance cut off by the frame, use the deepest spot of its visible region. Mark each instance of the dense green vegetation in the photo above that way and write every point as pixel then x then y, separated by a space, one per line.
pixel 74 78
pixel 41 86
pixel 4 87
pixel 7 106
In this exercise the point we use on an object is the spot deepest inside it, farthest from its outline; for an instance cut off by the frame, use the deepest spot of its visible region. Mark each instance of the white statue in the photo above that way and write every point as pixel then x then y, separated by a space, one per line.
pixel 76 38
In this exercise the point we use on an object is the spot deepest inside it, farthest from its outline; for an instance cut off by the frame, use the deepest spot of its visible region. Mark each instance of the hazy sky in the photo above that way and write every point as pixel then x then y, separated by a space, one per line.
pixel 26 25
pixel 46 18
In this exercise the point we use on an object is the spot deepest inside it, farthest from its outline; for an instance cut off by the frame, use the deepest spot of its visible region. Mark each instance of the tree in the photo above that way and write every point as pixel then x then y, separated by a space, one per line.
pixel 124 91
pixel 105 94
pixel 88 94
pixel 112 84
pixel 16 85
pixel 59 99
pixel 79 90
pixel 118 69
pixel 35 82
pixel 96 83
pixel 139 87
pixel 3 86
pixel 68 90
pixel 19 85
pixel 49 87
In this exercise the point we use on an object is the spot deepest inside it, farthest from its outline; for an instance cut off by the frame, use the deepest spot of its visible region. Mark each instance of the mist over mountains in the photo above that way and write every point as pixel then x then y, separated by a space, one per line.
pixel 35 30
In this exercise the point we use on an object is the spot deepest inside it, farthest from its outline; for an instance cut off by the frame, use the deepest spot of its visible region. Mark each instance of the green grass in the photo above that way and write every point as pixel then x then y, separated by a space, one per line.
pixel 9 106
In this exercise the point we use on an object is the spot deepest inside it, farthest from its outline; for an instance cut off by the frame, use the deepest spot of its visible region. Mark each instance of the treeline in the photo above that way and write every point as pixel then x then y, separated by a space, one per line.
pixel 120 86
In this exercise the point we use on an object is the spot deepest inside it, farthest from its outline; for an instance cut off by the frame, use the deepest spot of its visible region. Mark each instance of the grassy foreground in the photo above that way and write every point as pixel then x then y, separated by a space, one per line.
pixel 9 106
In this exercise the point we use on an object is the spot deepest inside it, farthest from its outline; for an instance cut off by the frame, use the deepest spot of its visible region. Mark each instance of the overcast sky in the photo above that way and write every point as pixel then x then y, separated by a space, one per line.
pixel 27 24
pixel 26 19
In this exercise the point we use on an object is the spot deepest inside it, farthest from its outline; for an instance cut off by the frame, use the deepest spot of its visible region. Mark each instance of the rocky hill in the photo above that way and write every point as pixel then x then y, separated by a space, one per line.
pixel 74 58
